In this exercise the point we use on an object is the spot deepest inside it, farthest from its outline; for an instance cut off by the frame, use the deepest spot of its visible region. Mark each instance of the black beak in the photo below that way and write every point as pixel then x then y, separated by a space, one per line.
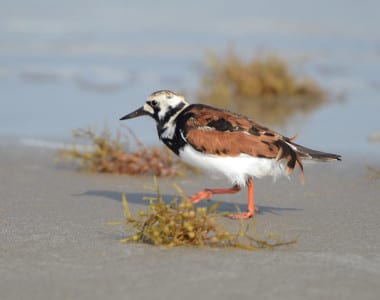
pixel 137 113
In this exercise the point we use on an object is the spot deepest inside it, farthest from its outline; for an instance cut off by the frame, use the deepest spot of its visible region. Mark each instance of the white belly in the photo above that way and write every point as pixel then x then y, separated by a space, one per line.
pixel 237 169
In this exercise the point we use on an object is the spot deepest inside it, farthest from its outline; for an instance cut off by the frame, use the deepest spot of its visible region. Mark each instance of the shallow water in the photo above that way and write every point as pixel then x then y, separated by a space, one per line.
pixel 64 66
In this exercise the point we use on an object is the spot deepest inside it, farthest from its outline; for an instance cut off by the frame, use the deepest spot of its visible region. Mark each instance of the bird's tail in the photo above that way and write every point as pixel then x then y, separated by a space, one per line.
pixel 294 154
pixel 307 153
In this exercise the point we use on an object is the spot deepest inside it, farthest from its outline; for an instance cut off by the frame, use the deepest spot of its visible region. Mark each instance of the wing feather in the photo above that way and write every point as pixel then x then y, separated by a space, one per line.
pixel 223 133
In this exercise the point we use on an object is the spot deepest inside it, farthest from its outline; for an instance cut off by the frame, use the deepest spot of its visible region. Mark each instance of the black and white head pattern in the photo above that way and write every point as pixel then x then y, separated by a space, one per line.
pixel 164 106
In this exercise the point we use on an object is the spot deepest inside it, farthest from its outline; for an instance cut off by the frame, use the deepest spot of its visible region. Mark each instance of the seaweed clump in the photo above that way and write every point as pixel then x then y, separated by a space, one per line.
pixel 373 173
pixel 181 223
pixel 264 87
pixel 104 153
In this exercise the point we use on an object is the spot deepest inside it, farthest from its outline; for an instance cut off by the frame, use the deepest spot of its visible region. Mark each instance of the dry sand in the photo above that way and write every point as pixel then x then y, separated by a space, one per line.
pixel 55 243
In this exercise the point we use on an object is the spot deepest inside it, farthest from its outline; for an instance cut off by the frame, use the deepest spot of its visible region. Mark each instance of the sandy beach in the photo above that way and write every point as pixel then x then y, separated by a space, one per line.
pixel 80 64
pixel 56 244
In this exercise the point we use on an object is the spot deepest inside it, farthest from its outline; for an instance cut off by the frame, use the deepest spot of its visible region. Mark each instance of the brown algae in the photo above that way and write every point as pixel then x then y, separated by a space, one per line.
pixel 104 153
pixel 373 173
pixel 263 87
pixel 182 223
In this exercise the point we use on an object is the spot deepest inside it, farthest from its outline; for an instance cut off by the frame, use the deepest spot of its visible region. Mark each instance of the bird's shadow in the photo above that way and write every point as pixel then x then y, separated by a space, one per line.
pixel 138 198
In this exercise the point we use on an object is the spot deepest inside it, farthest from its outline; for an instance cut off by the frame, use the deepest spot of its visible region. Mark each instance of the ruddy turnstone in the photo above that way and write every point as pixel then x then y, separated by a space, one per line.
pixel 224 144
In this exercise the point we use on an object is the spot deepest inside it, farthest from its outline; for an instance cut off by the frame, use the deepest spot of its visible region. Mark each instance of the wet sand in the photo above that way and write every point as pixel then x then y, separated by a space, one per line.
pixel 55 243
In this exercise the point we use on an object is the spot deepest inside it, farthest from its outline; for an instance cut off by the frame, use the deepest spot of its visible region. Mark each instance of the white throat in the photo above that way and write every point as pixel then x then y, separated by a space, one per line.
pixel 168 129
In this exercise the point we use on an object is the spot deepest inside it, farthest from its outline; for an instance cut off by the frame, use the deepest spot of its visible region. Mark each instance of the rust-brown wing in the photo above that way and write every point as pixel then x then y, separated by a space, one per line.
pixel 223 133
pixel 220 132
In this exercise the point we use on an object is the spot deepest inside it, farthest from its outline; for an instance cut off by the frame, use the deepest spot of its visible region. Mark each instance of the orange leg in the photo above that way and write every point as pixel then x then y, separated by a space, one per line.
pixel 207 193
pixel 251 204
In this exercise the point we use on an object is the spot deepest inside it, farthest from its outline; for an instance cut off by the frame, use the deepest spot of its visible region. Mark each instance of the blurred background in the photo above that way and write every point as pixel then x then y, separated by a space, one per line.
pixel 71 64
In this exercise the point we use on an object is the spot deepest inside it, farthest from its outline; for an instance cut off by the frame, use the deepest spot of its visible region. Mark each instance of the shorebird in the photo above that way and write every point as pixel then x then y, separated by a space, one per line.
pixel 224 144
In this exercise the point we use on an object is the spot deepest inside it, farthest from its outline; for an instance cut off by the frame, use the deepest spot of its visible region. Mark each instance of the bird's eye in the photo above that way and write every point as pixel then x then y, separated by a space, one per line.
pixel 153 103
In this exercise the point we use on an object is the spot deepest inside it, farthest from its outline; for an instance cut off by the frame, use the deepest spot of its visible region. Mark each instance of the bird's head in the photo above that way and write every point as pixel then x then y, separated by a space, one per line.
pixel 161 106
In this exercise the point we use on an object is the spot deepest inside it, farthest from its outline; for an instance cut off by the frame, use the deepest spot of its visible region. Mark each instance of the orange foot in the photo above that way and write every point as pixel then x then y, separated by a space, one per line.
pixel 204 194
pixel 243 216
pixel 207 193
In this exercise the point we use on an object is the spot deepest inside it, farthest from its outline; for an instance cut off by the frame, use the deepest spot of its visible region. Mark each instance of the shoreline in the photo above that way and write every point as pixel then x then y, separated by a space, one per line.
pixel 56 244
